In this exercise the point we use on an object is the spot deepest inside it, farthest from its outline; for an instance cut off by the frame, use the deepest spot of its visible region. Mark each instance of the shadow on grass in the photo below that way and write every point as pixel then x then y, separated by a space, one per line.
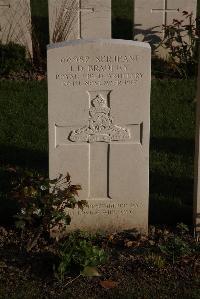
pixel 15 157
pixel 122 29
pixel 122 19
pixel 171 197
pixel 42 34
pixel 173 145
pixel 40 25
pixel 8 207
pixel 23 157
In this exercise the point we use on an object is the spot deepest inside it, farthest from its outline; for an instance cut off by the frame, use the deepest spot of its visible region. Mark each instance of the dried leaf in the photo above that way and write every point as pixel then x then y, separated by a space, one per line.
pixel 108 284
pixel 111 237
pixel 81 204
pixel 151 242
pixel 11 169
pixel 40 77
pixel 78 187
pixel 143 238
pixel 90 271
pixel 129 243
pixel 68 177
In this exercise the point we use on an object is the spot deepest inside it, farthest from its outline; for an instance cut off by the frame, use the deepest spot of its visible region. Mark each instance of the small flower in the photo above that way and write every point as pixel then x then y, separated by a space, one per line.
pixel 37 212
pixel 23 211
pixel 43 188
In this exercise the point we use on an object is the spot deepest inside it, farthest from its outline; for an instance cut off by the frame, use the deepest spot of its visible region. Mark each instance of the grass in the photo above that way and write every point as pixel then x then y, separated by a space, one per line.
pixel 172 151
pixel 24 140
pixel 23 123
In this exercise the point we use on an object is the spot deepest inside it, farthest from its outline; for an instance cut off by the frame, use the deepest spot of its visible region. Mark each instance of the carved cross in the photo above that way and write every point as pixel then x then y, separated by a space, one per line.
pixel 81 9
pixel 4 5
pixel 165 10
pixel 7 5
pixel 101 134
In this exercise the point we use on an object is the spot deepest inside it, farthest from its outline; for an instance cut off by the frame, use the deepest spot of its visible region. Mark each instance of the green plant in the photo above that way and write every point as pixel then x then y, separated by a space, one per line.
pixel 182 229
pixel 155 261
pixel 13 58
pixel 41 211
pixel 78 252
pixel 175 247
pixel 180 40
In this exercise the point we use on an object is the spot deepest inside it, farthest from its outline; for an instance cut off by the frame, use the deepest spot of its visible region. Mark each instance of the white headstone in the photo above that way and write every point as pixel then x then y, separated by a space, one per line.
pixel 149 16
pixel 75 19
pixel 99 118
pixel 15 23
pixel 196 204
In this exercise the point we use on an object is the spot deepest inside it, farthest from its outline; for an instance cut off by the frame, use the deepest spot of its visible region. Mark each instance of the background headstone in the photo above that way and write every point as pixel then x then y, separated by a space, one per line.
pixel 196 204
pixel 15 23
pixel 75 19
pixel 149 16
pixel 99 114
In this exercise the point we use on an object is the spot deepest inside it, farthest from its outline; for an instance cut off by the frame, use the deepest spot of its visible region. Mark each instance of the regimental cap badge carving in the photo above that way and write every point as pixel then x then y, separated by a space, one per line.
pixel 100 125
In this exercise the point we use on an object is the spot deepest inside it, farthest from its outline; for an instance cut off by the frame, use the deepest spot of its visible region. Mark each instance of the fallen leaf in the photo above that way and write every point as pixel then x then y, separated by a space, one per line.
pixel 3 265
pixel 151 242
pixel 196 265
pixel 111 237
pixel 90 271
pixel 108 284
pixel 11 169
pixel 129 244
pixel 40 77
pixel 166 232
pixel 143 238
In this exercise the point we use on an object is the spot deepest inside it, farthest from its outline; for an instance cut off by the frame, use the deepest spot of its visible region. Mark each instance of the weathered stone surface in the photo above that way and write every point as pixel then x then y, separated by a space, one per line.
pixel 75 19
pixel 99 114
pixel 15 23
pixel 149 16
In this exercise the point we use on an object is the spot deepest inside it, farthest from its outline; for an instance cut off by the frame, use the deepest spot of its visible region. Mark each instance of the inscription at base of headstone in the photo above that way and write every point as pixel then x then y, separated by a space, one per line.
pixel 76 19
pixel 15 23
pixel 99 112
pixel 149 16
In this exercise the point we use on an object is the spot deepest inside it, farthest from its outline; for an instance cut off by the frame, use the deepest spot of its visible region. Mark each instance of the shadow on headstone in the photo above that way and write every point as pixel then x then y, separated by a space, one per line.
pixel 197 217
pixel 150 36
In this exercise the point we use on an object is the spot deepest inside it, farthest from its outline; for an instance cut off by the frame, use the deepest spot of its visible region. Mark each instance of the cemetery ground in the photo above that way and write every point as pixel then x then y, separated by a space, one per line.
pixel 164 265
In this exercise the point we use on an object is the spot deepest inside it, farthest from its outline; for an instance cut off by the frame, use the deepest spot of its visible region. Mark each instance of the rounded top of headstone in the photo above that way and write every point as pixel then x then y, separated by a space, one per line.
pixel 100 41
